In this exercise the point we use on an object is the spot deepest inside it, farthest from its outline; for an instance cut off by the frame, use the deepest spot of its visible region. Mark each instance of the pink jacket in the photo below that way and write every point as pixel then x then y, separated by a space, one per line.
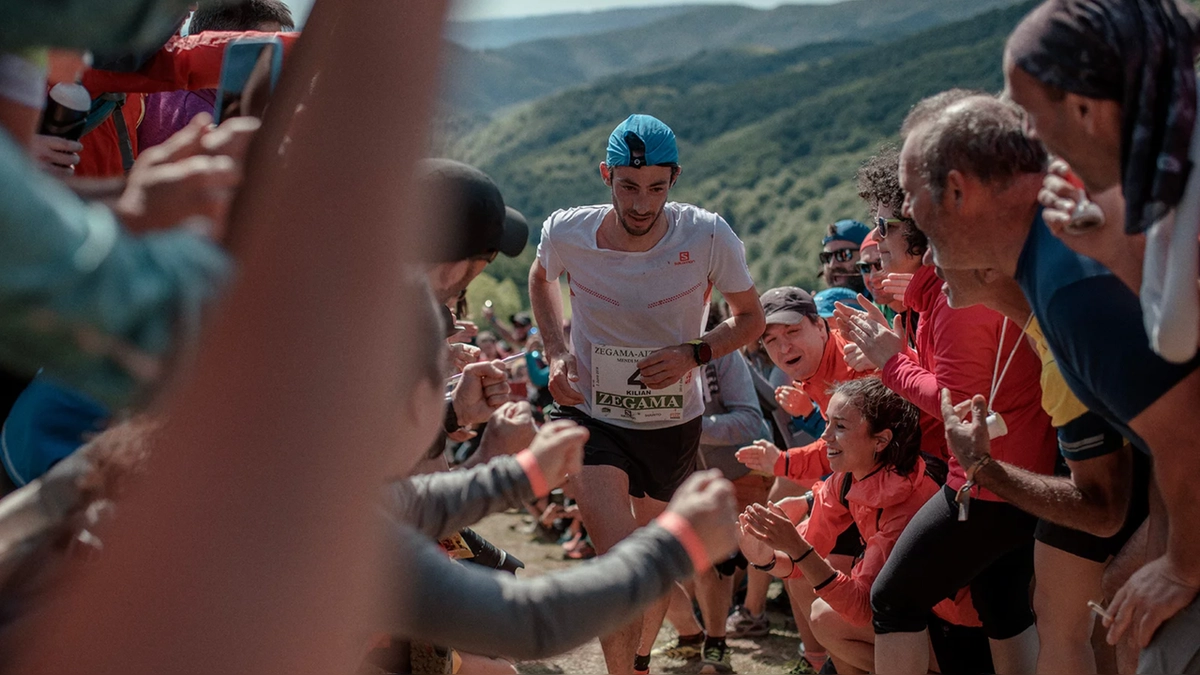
pixel 881 504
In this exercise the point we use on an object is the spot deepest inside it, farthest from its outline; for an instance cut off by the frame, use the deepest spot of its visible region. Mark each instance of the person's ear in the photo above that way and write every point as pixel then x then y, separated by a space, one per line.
pixel 605 174
pixel 956 184
pixel 675 171
pixel 1080 111
pixel 882 439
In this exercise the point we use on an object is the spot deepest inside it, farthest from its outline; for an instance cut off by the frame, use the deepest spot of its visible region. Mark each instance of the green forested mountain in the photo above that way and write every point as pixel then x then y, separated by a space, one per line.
pixel 485 81
pixel 771 141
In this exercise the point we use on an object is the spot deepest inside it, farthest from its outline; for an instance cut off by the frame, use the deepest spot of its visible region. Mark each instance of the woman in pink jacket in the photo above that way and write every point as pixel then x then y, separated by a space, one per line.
pixel 880 480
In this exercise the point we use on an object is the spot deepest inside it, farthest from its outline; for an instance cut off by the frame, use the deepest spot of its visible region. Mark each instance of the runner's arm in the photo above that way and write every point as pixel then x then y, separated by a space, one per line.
pixel 745 324
pixel 546 301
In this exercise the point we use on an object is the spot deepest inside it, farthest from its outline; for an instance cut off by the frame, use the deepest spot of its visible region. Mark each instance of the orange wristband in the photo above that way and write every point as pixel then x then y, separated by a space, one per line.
pixel 533 472
pixel 678 526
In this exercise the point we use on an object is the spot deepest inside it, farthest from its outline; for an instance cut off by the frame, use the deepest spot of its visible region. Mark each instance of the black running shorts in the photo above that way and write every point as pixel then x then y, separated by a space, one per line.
pixel 657 461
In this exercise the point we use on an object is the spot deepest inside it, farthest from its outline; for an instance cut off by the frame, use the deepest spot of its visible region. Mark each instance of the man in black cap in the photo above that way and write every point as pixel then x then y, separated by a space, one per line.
pixel 475 225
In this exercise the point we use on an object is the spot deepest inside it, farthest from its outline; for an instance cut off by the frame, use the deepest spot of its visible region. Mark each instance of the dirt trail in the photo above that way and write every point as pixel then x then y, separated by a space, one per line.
pixel 774 653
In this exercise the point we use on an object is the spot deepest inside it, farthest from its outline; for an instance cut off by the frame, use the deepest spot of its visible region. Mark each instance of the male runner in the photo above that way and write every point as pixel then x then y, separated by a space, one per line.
pixel 640 272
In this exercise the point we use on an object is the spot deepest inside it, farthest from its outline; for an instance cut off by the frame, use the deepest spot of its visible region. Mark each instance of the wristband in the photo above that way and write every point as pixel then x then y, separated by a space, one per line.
pixel 678 526
pixel 533 472
pixel 796 561
pixel 768 567
pixel 825 583
pixel 984 461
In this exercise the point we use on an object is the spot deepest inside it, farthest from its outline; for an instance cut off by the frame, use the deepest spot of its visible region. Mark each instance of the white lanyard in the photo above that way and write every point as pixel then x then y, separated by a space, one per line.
pixel 997 379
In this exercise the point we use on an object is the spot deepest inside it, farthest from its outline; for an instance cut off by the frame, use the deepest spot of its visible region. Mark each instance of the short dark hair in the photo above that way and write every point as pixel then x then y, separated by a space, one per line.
pixel 239 16
pixel 883 408
pixel 929 107
pixel 981 136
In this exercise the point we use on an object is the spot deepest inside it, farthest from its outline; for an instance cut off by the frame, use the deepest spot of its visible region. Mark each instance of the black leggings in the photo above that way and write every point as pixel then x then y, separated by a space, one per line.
pixel 937 555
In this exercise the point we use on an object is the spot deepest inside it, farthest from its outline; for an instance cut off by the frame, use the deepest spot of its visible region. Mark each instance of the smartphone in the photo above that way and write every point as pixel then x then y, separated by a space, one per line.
pixel 249 73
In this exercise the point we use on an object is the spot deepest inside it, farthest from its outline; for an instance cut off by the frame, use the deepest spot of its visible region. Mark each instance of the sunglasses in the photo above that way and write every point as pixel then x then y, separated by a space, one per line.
pixel 865 268
pixel 884 224
pixel 840 255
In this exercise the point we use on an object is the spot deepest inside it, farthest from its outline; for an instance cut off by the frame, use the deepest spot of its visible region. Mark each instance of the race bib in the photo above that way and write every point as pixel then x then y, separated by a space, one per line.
pixel 618 392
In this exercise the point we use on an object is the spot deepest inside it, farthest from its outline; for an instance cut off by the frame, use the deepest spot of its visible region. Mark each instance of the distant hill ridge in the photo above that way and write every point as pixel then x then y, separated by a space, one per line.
pixel 493 79
pixel 771 141
pixel 499 33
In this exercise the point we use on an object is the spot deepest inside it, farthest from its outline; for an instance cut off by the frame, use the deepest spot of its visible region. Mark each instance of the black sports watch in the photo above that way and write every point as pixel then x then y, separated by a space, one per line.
pixel 701 351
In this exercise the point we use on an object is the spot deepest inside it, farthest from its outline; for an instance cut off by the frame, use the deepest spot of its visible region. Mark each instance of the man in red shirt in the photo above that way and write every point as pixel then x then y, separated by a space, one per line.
pixel 964 535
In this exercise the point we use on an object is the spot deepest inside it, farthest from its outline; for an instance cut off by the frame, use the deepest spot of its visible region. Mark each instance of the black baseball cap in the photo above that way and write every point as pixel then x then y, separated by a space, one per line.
pixel 476 220
pixel 788 305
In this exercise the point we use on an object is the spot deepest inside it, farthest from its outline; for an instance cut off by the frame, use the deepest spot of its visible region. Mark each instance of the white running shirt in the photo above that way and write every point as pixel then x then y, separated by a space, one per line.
pixel 650 299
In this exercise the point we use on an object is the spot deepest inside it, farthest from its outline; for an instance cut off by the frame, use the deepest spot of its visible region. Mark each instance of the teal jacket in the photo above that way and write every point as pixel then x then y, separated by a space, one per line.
pixel 96 307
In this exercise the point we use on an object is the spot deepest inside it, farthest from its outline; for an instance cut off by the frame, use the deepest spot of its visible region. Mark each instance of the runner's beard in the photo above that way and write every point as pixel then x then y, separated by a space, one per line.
pixel 630 230
pixel 633 232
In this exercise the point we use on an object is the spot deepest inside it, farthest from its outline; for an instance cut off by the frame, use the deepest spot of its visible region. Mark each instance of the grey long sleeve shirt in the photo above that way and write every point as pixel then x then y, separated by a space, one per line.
pixel 732 416
pixel 488 612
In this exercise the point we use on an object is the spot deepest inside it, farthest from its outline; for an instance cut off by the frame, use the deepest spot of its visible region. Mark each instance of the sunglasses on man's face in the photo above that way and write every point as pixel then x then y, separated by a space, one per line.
pixel 884 224
pixel 864 268
pixel 840 255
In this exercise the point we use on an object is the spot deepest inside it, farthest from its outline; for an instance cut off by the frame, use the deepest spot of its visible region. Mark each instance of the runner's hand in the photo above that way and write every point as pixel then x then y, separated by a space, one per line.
pixel 756 550
pixel 1152 595
pixel 706 501
pixel 558 449
pixel 856 359
pixel 771 525
pixel 793 401
pixel 463 355
pixel 482 389
pixel 563 371
pixel 54 155
pixel 759 456
pixel 666 366
pixel 509 430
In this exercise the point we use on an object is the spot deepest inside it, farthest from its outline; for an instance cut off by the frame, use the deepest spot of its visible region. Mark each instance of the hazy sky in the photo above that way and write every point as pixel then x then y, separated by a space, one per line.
pixel 489 9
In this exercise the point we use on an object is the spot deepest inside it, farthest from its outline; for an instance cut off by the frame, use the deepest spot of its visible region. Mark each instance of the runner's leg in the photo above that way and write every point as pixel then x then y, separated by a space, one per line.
pixel 680 612
pixel 715 595
pixel 645 510
pixel 604 504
